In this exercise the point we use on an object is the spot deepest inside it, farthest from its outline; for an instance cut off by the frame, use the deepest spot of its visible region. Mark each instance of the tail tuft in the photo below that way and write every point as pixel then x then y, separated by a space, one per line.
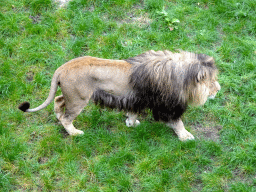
pixel 24 106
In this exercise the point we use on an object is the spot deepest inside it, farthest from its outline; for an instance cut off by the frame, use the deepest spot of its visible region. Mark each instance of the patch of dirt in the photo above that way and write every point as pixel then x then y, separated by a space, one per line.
pixel 208 130
pixel 132 18
pixel 35 19
pixel 139 20
pixel 42 160
pixel 29 76
pixel 243 177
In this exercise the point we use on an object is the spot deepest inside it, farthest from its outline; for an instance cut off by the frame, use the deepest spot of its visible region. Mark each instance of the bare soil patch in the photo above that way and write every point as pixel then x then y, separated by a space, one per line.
pixel 207 130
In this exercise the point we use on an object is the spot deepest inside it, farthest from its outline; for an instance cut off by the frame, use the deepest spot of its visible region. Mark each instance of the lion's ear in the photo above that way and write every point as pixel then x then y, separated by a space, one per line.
pixel 205 60
pixel 209 62
pixel 201 75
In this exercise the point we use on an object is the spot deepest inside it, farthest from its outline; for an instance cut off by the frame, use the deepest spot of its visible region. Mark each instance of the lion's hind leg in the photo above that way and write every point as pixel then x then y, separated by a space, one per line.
pixel 59 104
pixel 131 120
pixel 67 120
pixel 72 110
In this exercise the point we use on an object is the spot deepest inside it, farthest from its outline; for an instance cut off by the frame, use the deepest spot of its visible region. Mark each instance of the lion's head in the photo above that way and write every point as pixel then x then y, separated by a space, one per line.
pixel 204 85
pixel 204 91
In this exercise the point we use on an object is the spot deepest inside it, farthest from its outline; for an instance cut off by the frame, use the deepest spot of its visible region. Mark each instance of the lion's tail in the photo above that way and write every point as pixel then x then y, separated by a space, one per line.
pixel 128 102
pixel 54 85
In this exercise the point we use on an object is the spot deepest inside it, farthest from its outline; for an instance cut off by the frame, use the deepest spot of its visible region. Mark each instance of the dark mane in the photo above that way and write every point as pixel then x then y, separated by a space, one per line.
pixel 162 82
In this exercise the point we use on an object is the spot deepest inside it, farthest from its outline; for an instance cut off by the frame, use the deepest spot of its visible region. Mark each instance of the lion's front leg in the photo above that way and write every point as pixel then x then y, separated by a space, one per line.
pixel 180 130
pixel 131 120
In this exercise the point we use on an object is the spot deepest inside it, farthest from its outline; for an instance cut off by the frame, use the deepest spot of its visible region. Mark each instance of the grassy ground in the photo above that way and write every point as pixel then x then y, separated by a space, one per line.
pixel 36 154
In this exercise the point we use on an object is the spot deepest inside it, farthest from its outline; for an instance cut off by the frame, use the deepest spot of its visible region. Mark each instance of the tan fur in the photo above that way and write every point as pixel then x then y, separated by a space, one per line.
pixel 90 73
pixel 80 77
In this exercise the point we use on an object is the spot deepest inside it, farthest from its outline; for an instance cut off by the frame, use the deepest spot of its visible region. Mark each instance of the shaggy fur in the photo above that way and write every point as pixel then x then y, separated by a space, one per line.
pixel 162 82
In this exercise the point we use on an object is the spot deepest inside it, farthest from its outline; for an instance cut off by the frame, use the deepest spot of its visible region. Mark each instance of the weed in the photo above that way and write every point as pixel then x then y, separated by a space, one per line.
pixel 171 23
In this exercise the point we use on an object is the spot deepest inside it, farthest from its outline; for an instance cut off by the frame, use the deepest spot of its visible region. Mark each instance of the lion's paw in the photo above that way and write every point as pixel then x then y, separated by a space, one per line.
pixel 137 122
pixel 185 136
pixel 76 132
pixel 130 123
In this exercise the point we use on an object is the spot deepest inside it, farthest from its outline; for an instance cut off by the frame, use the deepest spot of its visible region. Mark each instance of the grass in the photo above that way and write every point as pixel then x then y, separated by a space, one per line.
pixel 36 154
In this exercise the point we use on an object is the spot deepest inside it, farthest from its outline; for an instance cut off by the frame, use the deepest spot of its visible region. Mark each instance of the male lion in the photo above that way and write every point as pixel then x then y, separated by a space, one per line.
pixel 162 81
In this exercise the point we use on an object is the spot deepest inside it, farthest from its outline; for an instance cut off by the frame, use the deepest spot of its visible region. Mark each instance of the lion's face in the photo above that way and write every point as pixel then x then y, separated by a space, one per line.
pixel 204 91
pixel 214 88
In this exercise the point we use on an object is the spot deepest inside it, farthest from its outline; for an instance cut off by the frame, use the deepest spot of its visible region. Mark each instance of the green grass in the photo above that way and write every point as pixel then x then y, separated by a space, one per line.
pixel 36 154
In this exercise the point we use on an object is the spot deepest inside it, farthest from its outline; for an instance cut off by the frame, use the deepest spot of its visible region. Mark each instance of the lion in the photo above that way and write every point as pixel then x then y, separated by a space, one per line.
pixel 162 81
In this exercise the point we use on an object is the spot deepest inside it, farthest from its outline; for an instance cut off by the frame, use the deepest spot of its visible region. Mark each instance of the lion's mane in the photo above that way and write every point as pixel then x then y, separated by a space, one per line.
pixel 163 81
